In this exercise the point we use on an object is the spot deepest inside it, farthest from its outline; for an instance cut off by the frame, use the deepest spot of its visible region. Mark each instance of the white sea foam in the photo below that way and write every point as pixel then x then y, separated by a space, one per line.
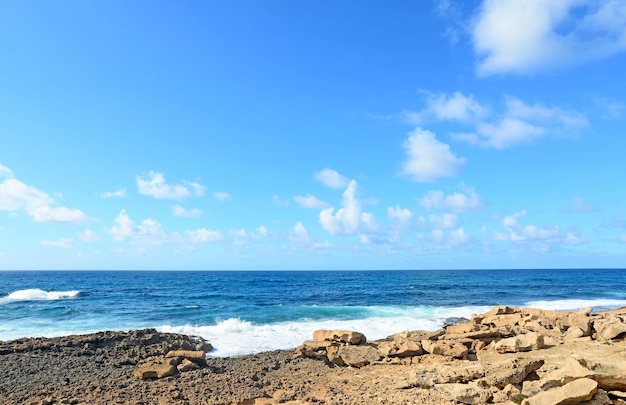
pixel 233 336
pixel 574 304
pixel 35 294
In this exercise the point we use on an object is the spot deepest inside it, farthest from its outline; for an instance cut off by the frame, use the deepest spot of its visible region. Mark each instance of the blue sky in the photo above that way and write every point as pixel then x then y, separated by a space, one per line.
pixel 312 134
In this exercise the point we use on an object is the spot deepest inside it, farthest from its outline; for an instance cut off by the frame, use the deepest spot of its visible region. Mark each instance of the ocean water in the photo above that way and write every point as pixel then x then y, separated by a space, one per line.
pixel 249 312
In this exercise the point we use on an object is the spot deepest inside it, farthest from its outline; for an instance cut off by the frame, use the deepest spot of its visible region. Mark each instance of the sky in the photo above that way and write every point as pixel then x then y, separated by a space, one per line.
pixel 296 135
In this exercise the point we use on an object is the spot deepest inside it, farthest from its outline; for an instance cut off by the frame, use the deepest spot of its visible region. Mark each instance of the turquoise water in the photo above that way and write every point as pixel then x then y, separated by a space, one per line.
pixel 246 312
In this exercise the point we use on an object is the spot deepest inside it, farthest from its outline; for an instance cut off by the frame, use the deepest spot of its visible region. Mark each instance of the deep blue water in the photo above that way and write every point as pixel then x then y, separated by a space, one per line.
pixel 244 312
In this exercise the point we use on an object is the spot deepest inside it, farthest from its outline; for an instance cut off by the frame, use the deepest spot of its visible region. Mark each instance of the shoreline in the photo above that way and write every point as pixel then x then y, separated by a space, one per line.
pixel 411 367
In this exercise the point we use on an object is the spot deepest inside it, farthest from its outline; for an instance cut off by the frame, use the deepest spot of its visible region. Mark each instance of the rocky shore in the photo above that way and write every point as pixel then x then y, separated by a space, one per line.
pixel 507 355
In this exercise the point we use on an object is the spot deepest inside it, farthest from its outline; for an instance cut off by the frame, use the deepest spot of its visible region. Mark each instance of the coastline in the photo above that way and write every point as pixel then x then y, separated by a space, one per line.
pixel 100 368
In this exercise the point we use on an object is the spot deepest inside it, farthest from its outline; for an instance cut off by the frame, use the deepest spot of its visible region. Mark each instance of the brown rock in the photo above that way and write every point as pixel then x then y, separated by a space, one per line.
pixel 187 354
pixel 609 328
pixel 407 348
pixel 576 391
pixel 187 365
pixel 572 370
pixel 154 370
pixel 501 310
pixel 341 336
pixel 520 343
pixel 510 371
pixel 464 393
pixel 353 356
pixel 446 348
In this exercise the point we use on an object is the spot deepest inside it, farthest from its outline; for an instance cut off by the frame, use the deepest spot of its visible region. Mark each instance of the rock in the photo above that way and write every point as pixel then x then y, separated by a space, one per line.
pixel 417 336
pixel 600 398
pixel 501 310
pixel 502 320
pixel 521 343
pixel 341 336
pixel 464 393
pixel 511 371
pixel 572 370
pixel 187 365
pixel 353 356
pixel 312 349
pixel 154 370
pixel 573 333
pixel 574 392
pixel 536 314
pixel 610 327
pixel 400 349
pixel 446 348
pixel 196 355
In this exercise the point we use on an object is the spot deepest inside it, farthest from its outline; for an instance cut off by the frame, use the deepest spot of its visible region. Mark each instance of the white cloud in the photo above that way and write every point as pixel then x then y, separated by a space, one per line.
pixel 524 37
pixel 537 237
pixel 88 235
pixel 15 195
pixel 579 204
pixel 179 211
pixel 299 234
pixel 445 221
pixel 451 12
pixel 522 123
pixel 456 202
pixel 401 216
pixel 148 233
pixel 5 172
pixel 428 159
pixel 222 196
pixel 310 201
pixel 63 243
pixel 241 235
pixel 204 235
pixel 154 186
pixel 444 107
pixel 119 193
pixel 330 178
pixel 349 219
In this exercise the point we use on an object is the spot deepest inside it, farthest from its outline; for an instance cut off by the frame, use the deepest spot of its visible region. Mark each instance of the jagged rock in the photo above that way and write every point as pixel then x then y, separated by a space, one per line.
pixel 464 393
pixel 429 375
pixel 573 333
pixel 502 320
pixel 574 392
pixel 342 336
pixel 599 398
pixel 510 371
pixel 521 343
pixel 610 327
pixel 353 356
pixel 501 310
pixel 407 348
pixel 446 348
pixel 417 336
pixel 572 370
pixel 197 356
pixel 313 349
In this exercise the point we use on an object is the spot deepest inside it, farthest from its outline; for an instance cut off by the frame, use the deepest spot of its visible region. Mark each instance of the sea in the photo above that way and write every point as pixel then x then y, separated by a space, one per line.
pixel 245 312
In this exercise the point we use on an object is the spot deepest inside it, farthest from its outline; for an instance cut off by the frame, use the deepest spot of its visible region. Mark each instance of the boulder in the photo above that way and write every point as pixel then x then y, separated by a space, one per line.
pixel 154 370
pixel 199 356
pixel 510 371
pixel 313 349
pixel 187 365
pixel 572 370
pixel 574 392
pixel 465 393
pixel 501 310
pixel 520 343
pixel 446 348
pixel 609 328
pixel 341 336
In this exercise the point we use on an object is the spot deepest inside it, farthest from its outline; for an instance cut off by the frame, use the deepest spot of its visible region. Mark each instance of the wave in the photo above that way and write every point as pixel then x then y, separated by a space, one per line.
pixel 576 304
pixel 236 336
pixel 35 294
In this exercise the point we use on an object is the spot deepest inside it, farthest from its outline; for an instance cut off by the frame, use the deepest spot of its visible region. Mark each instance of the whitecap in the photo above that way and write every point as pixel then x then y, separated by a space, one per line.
pixel 35 294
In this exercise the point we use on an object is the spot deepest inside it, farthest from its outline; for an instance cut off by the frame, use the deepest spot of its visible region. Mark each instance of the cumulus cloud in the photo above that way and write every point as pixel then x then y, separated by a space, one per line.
pixel 525 37
pixel 222 196
pixel 299 234
pixel 350 218
pixel 147 233
pixel 154 186
pixel 310 201
pixel 15 195
pixel 444 221
pixel 63 243
pixel 119 193
pixel 400 216
pixel 429 159
pixel 88 235
pixel 330 178
pixel 204 235
pixel 538 237
pixel 241 236
pixel 467 200
pixel 5 172
pixel 448 107
pixel 179 211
